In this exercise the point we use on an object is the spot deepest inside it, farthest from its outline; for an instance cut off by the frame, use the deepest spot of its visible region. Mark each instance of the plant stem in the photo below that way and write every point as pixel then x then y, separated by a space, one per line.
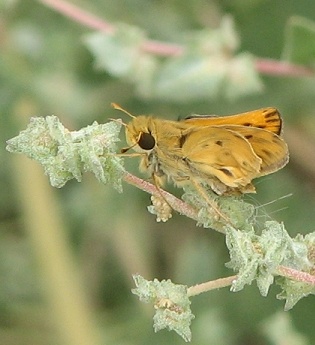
pixel 210 285
pixel 177 204
pixel 78 15
pixel 275 67
pixel 300 276
pixel 224 282
pixel 263 66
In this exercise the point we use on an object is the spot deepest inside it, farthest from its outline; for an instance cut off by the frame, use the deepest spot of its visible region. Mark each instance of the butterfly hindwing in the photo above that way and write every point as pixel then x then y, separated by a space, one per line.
pixel 270 147
pixel 211 151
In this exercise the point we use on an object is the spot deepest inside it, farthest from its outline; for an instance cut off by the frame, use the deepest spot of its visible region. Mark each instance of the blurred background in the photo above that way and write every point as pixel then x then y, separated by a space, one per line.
pixel 67 255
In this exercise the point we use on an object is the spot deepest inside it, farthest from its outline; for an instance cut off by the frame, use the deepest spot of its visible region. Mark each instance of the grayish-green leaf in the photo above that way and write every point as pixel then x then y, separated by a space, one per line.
pixel 293 291
pixel 171 303
pixel 65 155
pixel 244 257
pixel 301 257
pixel 237 210
pixel 257 257
pixel 208 67
pixel 118 53
pixel 190 77
pixel 273 242
pixel 121 55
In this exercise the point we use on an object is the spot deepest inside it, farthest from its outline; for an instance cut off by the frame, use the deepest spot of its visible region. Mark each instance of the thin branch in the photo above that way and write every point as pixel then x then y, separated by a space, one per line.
pixel 210 285
pixel 162 48
pixel 300 276
pixel 177 204
pixel 78 15
pixel 224 282
pixel 264 66
pixel 282 68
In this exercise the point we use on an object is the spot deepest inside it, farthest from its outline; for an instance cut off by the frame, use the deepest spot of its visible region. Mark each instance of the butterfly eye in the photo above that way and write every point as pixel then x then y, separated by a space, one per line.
pixel 146 141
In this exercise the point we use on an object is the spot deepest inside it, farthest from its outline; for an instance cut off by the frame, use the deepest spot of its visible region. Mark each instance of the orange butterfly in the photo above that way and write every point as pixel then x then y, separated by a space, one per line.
pixel 225 153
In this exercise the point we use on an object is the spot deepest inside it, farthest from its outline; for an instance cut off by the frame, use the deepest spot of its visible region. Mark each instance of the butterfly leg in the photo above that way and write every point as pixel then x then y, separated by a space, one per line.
pixel 132 154
pixel 162 207
pixel 213 205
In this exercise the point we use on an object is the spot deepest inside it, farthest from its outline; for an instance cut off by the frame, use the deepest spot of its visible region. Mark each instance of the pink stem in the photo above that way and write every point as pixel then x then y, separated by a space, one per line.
pixel 264 66
pixel 80 16
pixel 296 275
pixel 162 49
pixel 177 204
pixel 275 67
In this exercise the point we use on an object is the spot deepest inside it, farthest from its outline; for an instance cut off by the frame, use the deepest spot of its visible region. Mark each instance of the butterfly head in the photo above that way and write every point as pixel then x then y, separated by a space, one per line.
pixel 139 134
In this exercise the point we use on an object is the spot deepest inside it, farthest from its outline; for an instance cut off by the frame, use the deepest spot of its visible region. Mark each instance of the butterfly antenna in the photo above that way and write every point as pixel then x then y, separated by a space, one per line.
pixel 275 200
pixel 118 107
pixel 119 121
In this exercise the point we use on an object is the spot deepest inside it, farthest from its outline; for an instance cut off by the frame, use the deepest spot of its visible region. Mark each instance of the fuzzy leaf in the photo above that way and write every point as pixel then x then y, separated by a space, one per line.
pixel 257 257
pixel 297 257
pixel 171 303
pixel 293 291
pixel 209 66
pixel 65 155
pixel 190 77
pixel 244 257
pixel 121 55
pixel 301 257
pixel 116 53
pixel 239 212
pixel 274 242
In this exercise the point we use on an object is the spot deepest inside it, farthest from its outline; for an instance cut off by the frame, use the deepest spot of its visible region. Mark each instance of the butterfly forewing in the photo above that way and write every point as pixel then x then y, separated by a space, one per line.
pixel 265 118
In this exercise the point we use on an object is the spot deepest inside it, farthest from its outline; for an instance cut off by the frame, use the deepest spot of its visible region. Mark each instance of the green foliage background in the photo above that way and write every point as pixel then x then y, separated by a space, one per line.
pixel 46 69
